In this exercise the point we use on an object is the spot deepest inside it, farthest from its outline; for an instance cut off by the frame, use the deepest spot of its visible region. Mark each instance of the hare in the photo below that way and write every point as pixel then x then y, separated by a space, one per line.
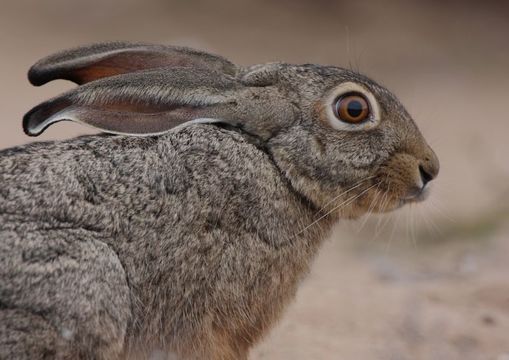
pixel 184 229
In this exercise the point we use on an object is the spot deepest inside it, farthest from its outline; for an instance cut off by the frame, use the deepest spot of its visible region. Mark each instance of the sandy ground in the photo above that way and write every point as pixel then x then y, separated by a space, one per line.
pixel 408 300
pixel 428 282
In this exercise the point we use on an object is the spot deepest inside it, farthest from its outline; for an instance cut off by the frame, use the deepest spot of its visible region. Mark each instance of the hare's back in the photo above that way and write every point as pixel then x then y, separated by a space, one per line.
pixel 125 187
pixel 65 180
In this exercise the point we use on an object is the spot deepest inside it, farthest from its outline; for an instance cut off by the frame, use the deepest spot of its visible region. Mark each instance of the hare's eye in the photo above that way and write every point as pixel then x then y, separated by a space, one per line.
pixel 352 108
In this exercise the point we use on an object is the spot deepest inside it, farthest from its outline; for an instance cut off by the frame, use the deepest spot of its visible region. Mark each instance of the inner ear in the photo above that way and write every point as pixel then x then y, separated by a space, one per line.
pixel 89 63
pixel 117 122
pixel 118 118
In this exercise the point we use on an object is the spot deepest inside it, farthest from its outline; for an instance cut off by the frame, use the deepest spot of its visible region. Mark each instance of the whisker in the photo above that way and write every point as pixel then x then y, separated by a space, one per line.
pixel 385 199
pixel 355 186
pixel 395 222
pixel 412 225
pixel 429 220
pixel 349 55
pixel 407 225
pixel 441 211
pixel 370 209
pixel 431 231
pixel 344 203
pixel 380 204
pixel 385 219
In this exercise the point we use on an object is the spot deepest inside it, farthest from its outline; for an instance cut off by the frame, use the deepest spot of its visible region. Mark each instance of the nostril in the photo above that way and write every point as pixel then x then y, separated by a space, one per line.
pixel 425 176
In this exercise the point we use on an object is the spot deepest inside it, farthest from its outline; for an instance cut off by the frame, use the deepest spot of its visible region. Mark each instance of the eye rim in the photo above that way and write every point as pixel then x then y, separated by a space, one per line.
pixel 347 87
pixel 341 112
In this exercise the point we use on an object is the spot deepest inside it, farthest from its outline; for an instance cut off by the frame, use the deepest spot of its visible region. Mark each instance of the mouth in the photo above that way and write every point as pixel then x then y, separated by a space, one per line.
pixel 378 200
pixel 415 197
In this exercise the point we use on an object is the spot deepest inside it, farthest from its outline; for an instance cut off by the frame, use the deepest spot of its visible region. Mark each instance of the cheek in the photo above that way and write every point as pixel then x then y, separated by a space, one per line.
pixel 343 159
pixel 358 155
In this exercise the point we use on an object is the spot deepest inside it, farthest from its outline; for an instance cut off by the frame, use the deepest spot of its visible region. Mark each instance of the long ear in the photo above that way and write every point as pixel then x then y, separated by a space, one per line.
pixel 88 63
pixel 153 102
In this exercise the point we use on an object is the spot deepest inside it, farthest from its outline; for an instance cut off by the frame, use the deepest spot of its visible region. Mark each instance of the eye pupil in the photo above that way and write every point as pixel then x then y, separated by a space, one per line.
pixel 354 108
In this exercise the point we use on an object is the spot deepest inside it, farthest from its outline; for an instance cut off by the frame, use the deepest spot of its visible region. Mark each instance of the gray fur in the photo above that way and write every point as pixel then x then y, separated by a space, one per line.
pixel 189 243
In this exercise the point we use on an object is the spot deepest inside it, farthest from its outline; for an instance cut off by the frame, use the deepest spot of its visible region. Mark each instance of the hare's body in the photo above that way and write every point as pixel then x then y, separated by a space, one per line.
pixel 153 239
pixel 188 240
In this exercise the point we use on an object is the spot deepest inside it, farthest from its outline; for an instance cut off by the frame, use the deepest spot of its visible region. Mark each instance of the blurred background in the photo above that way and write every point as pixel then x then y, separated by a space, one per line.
pixel 429 281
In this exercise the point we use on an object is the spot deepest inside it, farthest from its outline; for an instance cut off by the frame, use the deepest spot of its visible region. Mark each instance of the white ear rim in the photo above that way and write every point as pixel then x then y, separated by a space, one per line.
pixel 198 121
pixel 73 114
pixel 68 114
pixel 345 88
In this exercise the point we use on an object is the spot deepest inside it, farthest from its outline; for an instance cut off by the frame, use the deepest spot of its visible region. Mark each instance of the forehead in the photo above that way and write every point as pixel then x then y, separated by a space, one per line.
pixel 343 75
pixel 327 77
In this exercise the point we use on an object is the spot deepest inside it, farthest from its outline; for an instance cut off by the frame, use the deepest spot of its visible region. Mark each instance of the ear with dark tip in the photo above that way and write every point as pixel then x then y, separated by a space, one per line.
pixel 114 121
pixel 89 63
pixel 144 103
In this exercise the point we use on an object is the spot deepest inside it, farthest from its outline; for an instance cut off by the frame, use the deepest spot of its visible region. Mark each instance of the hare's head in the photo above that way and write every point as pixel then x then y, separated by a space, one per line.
pixel 343 142
pixel 352 146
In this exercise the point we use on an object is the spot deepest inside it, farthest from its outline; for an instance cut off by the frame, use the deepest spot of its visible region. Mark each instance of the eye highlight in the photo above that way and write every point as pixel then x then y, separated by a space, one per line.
pixel 352 108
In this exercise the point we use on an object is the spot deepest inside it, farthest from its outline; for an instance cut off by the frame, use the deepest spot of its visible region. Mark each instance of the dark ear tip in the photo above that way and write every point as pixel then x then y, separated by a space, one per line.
pixel 28 122
pixel 37 76
pixel 35 121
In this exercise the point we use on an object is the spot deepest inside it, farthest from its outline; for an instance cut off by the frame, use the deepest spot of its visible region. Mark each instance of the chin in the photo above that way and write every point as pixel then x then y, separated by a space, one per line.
pixel 417 198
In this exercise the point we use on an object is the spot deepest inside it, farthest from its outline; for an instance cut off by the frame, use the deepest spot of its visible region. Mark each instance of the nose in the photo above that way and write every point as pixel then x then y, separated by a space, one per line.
pixel 426 177
pixel 428 168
